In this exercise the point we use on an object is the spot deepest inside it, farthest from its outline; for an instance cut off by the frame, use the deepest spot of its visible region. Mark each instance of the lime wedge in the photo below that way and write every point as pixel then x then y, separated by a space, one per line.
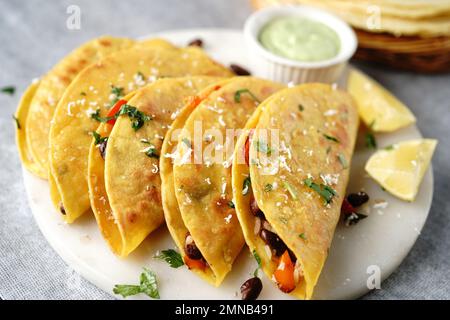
pixel 400 168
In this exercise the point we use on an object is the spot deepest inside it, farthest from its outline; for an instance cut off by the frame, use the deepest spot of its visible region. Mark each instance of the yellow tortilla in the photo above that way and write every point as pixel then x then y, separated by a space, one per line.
pixel 72 125
pixel 303 115
pixel 203 189
pixel 127 210
pixel 172 214
pixel 21 115
pixel 50 91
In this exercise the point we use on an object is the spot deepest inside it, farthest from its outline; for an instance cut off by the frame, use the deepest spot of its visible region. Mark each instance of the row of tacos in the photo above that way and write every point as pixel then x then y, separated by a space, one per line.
pixel 114 129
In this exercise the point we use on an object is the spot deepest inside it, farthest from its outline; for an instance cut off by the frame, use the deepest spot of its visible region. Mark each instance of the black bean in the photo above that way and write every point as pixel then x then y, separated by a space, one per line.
pixel 102 148
pixel 251 289
pixel 196 43
pixel 292 256
pixel 62 209
pixel 273 241
pixel 239 71
pixel 255 209
pixel 191 249
pixel 358 199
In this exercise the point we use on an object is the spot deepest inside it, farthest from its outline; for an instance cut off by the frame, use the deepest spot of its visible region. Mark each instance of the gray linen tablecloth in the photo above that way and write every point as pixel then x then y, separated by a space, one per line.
pixel 33 36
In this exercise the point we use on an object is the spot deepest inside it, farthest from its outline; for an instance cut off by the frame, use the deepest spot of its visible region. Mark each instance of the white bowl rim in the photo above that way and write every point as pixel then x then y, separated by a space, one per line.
pixel 258 19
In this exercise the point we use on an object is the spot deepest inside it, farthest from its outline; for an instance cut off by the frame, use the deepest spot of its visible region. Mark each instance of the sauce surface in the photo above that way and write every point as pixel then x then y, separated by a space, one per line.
pixel 300 39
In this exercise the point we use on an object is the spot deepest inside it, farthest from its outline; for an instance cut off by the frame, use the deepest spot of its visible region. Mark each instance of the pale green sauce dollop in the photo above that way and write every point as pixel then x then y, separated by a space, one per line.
pixel 300 39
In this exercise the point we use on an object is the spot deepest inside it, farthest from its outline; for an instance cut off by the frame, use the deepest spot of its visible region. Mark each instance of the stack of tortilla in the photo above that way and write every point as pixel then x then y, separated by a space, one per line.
pixel 404 34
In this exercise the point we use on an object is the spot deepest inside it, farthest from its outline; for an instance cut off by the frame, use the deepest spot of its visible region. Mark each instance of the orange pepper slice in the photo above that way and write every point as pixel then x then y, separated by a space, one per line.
pixel 285 275
pixel 194 264
pixel 114 110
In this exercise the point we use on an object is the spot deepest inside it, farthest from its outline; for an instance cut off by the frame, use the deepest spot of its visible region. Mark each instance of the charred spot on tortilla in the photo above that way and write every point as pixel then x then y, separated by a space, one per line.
pixel 132 217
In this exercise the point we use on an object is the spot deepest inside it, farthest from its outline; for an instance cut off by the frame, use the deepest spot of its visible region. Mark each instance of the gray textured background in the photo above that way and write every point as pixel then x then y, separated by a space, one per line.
pixel 33 37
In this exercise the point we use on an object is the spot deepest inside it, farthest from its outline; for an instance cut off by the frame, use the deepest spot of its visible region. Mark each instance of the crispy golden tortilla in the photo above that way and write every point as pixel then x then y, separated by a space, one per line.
pixel 304 117
pixel 21 115
pixel 172 214
pixel 51 89
pixel 203 189
pixel 129 209
pixel 95 89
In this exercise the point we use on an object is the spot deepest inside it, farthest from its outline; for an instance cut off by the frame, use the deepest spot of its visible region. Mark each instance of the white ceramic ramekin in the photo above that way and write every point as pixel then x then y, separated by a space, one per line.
pixel 268 65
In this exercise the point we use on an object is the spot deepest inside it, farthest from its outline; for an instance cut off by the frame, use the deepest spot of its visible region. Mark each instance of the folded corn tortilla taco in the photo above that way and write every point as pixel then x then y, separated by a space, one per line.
pixel 89 99
pixel 41 104
pixel 196 186
pixel 290 172
pixel 21 116
pixel 126 199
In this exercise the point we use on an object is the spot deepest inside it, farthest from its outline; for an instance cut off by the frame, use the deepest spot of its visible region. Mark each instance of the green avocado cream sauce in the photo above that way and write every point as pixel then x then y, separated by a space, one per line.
pixel 300 39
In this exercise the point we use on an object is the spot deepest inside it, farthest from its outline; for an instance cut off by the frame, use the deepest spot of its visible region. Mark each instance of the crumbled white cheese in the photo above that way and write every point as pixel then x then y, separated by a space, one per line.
pixel 330 112
pixel 268 251
pixel 69 108
pixel 228 218
pixel 330 179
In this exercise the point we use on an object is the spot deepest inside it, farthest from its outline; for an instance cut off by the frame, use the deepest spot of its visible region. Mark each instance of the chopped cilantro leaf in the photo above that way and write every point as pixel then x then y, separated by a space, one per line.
pixel 237 95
